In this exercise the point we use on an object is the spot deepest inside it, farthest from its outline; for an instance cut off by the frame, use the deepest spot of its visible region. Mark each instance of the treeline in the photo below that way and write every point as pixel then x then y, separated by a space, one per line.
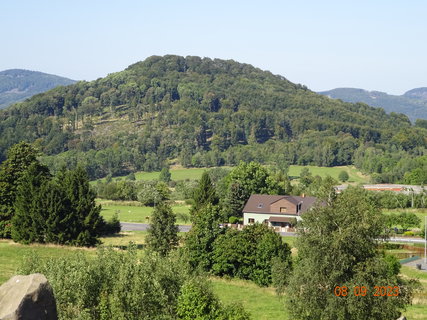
pixel 36 206
pixel 203 113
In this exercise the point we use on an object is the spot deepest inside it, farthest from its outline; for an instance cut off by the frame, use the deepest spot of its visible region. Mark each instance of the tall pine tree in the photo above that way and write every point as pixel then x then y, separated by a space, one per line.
pixel 28 221
pixel 204 194
pixel 84 223
pixel 163 232
pixel 19 158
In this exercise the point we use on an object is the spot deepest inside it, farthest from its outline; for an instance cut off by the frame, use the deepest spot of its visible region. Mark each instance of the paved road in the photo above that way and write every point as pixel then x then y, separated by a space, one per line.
pixel 128 226
pixel 411 240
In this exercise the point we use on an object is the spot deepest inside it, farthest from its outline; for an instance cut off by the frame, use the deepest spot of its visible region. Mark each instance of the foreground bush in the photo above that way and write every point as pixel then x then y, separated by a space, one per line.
pixel 124 285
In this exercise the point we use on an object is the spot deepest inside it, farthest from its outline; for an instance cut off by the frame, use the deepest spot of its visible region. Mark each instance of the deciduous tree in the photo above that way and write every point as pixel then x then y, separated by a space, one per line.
pixel 337 247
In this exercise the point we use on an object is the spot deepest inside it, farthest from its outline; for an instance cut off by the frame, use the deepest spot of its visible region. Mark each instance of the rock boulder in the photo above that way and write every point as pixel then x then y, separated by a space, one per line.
pixel 27 298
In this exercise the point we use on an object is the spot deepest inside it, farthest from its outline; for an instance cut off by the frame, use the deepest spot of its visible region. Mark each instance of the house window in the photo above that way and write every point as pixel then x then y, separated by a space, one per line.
pixel 251 220
pixel 282 209
pixel 260 205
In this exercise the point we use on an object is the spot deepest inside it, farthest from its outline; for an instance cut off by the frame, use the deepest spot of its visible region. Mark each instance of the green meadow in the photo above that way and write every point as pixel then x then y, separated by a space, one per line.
pixel 136 212
pixel 354 175
pixel 294 171
pixel 262 303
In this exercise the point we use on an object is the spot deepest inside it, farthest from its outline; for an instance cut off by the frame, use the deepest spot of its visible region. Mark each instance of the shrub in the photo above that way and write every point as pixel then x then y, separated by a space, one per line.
pixel 153 192
pixel 343 176
pixel 233 220
pixel 248 254
pixel 115 285
pixel 127 285
pixel 112 226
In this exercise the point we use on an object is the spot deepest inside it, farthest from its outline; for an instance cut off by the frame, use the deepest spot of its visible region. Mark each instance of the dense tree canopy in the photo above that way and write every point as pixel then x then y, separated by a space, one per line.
pixel 19 158
pixel 337 248
pixel 206 112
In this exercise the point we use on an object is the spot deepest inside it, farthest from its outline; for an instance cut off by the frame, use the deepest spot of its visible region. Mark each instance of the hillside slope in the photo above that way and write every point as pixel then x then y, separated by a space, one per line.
pixel 198 112
pixel 413 103
pixel 17 85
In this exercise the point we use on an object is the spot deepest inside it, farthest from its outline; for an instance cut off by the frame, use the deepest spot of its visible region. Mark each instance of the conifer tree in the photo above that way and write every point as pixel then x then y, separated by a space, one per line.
pixel 165 175
pixel 163 232
pixel 84 223
pixel 199 240
pixel 204 194
pixel 19 158
pixel 28 221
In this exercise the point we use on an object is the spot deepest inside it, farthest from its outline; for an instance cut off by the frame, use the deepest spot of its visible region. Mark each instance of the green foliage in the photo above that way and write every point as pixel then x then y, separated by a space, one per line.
pixel 163 232
pixel 112 225
pixel 198 302
pixel 131 176
pixel 199 240
pixel 19 158
pixel 151 193
pixel 117 190
pixel 248 254
pixel 165 175
pixel 247 179
pixel 404 219
pixel 416 176
pixel 337 247
pixel 36 202
pixel 17 85
pixel 343 176
pixel 204 194
pixel 60 210
pixel 114 285
pixel 205 113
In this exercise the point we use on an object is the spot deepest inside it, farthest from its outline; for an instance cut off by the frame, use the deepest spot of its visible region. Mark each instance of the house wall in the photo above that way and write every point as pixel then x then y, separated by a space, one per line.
pixel 290 207
pixel 260 217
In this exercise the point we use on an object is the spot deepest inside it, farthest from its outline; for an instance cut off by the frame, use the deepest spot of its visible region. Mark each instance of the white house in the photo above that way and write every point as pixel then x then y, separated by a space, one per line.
pixel 280 212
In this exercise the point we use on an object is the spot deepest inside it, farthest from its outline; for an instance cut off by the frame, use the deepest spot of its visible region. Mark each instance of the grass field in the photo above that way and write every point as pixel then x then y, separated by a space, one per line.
pixel 354 175
pixel 262 303
pixel 123 238
pixel 139 214
pixel 176 174
pixel 11 255
pixel 418 309
pixel 294 171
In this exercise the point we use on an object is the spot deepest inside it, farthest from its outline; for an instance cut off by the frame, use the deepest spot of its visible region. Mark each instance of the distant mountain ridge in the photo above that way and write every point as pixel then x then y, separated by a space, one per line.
pixel 199 112
pixel 413 103
pixel 18 84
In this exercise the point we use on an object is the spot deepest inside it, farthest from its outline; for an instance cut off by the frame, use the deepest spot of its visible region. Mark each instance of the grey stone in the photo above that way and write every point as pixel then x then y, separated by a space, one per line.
pixel 27 298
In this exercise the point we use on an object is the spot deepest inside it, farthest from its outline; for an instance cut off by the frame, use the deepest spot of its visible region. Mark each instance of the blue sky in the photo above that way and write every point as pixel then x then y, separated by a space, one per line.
pixel 375 45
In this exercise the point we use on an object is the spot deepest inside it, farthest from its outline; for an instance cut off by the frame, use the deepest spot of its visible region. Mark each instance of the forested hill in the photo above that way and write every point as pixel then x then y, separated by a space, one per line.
pixel 18 84
pixel 412 103
pixel 199 112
